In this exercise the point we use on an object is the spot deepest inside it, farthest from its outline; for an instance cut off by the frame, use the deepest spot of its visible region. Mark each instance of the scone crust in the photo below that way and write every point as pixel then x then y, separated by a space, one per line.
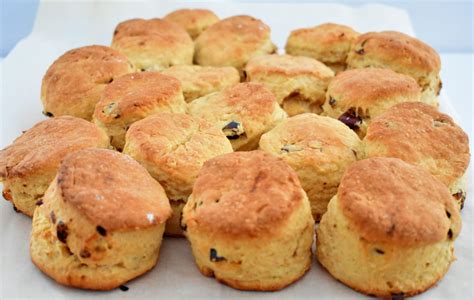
pixel 319 149
pixel 73 83
pixel 153 44
pixel 233 42
pixel 250 104
pixel 390 201
pixel 232 190
pixel 42 147
pixel 194 21
pixel 86 176
pixel 134 96
pixel 395 49
pixel 419 134
pixel 366 88
pixel 137 94
pixel 173 147
pixel 288 65
pixel 198 81
pixel 328 42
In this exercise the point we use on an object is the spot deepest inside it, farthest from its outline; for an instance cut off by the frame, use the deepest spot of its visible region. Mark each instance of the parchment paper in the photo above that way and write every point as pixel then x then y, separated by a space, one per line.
pixel 61 26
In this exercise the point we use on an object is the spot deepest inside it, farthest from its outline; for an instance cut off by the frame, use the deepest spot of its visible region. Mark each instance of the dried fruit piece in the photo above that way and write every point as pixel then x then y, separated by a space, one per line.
pixel 101 230
pixel 214 257
pixel 61 231
pixel 233 130
pixel 351 119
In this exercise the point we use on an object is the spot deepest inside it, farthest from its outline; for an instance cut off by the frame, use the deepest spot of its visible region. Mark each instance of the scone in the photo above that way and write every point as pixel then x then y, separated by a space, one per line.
pixel 197 81
pixel 233 42
pixel 173 147
pixel 29 164
pixel 133 97
pixel 243 112
pixel 299 83
pixel 401 53
pixel 355 97
pixel 329 43
pixel 73 83
pixel 319 149
pixel 101 221
pixel 390 229
pixel 418 134
pixel 153 45
pixel 249 222
pixel 194 21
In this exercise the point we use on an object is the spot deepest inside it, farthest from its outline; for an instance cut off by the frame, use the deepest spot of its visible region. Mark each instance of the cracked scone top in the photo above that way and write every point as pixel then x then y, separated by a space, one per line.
pixel 154 44
pixel 356 97
pixel 243 112
pixel 73 83
pixel 233 42
pixel 133 97
pixel 101 221
pixel 299 83
pixel 173 148
pixel 329 43
pixel 401 53
pixel 249 221
pixel 419 134
pixel 28 165
pixel 390 229
pixel 194 21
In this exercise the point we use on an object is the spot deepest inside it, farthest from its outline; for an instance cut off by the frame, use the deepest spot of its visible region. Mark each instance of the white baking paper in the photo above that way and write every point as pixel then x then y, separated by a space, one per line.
pixel 61 26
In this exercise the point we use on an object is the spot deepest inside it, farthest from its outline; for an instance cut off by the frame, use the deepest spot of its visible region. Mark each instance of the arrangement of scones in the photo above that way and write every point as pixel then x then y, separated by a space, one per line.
pixel 191 126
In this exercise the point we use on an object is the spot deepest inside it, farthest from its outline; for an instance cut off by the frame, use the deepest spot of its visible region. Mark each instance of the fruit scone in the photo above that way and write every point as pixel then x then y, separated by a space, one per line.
pixel 194 21
pixel 329 43
pixel 74 82
pixel 133 97
pixel 355 97
pixel 401 53
pixel 233 42
pixel 418 134
pixel 249 222
pixel 390 230
pixel 198 81
pixel 101 221
pixel 319 149
pixel 154 44
pixel 173 148
pixel 299 83
pixel 29 164
pixel 243 112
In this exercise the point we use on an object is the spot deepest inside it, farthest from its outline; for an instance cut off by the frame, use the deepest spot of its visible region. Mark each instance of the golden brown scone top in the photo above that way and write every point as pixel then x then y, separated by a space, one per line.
pixel 390 201
pixel 327 42
pixel 73 83
pixel 42 147
pixel 288 65
pixel 112 189
pixel 401 52
pixel 198 81
pixel 174 147
pixel 233 41
pixel 419 134
pixel 247 99
pixel 243 194
pixel 370 88
pixel 134 96
pixel 153 44
pixel 194 21
pixel 309 139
